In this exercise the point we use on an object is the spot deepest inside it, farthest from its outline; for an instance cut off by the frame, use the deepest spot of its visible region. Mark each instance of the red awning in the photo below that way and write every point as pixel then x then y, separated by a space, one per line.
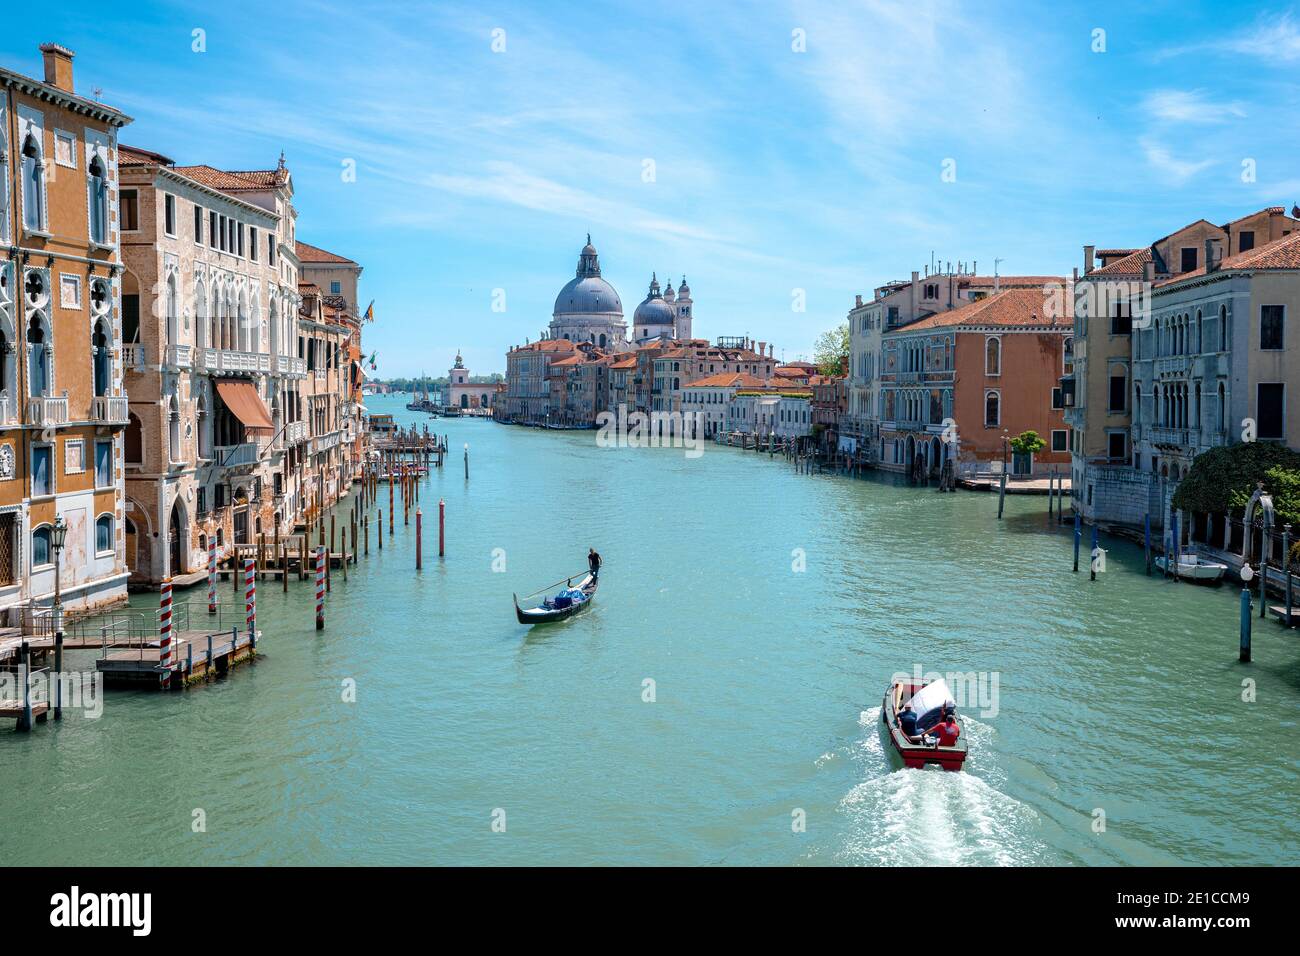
pixel 245 404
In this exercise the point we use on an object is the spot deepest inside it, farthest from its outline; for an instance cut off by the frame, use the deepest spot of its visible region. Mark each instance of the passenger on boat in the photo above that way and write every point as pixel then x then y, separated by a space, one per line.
pixel 947 730
pixel 907 724
pixel 594 562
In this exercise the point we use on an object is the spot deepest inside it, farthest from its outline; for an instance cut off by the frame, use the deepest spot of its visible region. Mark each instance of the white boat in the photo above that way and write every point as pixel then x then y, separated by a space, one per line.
pixel 1193 568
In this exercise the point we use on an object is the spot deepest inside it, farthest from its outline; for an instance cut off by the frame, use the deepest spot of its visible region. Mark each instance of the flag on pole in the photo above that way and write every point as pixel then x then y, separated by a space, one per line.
pixel 370 311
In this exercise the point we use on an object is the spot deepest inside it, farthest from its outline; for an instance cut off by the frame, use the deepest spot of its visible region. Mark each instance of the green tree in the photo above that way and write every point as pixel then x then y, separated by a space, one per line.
pixel 831 351
pixel 1223 479
pixel 1028 443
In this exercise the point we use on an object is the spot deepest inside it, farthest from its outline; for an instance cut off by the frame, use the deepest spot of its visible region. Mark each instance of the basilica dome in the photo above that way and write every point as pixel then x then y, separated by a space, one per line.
pixel 587 293
pixel 653 311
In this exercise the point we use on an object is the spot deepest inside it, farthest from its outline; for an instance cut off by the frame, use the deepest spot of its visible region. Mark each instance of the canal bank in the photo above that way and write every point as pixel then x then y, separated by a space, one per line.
pixel 423 707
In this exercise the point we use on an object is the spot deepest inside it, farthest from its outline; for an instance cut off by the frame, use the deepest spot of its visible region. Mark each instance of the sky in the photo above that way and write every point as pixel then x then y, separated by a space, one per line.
pixel 782 156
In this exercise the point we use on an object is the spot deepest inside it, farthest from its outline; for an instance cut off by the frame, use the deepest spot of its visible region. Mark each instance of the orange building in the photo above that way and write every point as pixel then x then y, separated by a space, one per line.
pixel 961 384
pixel 62 404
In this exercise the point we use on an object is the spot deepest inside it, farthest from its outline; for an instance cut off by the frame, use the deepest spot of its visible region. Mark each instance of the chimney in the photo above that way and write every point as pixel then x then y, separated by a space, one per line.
pixel 1149 271
pixel 58 65
pixel 771 351
pixel 761 347
pixel 1089 258
pixel 1210 264
pixel 857 304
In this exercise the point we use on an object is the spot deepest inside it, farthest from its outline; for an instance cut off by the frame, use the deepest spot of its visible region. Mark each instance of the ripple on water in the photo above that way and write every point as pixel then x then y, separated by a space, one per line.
pixel 933 817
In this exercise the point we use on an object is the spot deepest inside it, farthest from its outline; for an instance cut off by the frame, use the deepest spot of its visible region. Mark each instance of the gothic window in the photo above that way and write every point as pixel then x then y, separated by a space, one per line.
pixel 98 200
pixel 38 359
pixel 99 350
pixel 33 173
pixel 992 408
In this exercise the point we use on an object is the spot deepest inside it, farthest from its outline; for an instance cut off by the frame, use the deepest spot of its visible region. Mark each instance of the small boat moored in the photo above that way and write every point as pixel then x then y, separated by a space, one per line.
pixel 928 700
pixel 1192 567
pixel 568 601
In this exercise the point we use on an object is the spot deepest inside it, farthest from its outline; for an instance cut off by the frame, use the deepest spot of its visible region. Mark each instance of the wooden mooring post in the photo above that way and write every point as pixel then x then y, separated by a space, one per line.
pixel 1243 653
pixel 1002 493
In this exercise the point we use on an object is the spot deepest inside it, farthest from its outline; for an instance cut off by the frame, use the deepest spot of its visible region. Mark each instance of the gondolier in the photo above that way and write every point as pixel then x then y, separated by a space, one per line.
pixel 594 562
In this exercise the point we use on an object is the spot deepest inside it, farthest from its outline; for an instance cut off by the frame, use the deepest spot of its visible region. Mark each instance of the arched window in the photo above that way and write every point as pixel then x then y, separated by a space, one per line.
pixel 205 428
pixel 602 340
pixel 992 408
pixel 1223 328
pixel 33 175
pixel 200 314
pixel 98 200
pixel 134 441
pixel 99 351
pixel 173 308
pixel 1137 402
pixel 38 360
pixel 1222 410
pixel 41 551
pixel 993 356
pixel 174 431
pixel 1200 341
pixel 103 533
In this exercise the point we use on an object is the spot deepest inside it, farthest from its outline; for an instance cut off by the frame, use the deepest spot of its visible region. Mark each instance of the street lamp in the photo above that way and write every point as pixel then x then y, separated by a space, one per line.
pixel 1006 448
pixel 58 537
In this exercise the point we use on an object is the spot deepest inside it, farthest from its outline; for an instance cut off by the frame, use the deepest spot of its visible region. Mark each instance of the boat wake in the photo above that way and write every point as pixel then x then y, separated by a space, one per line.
pixel 934 817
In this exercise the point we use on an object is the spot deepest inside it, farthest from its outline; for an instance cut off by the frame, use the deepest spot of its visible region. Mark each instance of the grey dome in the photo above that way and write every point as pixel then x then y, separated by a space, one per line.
pixel 585 295
pixel 653 312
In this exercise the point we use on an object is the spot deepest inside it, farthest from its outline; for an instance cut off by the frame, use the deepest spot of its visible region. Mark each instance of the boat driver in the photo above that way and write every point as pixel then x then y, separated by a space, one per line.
pixel 907 724
pixel 594 562
pixel 947 730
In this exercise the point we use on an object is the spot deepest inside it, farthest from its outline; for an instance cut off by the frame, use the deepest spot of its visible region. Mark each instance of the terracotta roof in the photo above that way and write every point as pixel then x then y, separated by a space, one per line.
pixel 1131 264
pixel 309 288
pixel 1111 253
pixel 220 179
pixel 1011 308
pixel 1007 282
pixel 547 345
pixel 135 156
pixel 728 380
pixel 262 178
pixel 785 371
pixel 308 253
pixel 627 361
pixel 1281 253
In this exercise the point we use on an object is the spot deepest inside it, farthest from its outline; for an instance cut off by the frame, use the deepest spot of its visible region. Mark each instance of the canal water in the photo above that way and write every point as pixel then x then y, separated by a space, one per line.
pixel 1117 734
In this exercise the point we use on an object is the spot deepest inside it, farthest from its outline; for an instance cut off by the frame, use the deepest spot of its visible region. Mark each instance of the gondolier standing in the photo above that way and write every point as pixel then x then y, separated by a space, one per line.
pixel 594 562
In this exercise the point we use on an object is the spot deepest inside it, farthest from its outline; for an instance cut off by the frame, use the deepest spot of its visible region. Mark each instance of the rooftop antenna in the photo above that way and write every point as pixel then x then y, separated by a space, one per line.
pixel 98 90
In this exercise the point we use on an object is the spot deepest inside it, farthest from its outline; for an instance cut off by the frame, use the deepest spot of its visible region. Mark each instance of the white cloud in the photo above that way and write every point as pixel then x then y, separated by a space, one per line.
pixel 1190 106
pixel 1177 170
pixel 1270 38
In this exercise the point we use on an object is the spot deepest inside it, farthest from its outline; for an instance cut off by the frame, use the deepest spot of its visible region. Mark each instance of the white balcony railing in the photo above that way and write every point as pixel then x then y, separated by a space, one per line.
pixel 179 356
pixel 288 365
pixel 8 411
pixel 110 410
pixel 1160 435
pixel 295 433
pixel 46 410
pixel 229 360
pixel 133 358
pixel 232 456
pixel 326 442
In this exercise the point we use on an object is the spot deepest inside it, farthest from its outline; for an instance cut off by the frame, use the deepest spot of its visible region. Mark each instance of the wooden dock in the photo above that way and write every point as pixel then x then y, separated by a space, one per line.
pixel 196 655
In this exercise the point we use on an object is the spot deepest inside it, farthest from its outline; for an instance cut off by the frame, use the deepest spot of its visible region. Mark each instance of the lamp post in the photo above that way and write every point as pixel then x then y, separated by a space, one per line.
pixel 58 537
pixel 1006 448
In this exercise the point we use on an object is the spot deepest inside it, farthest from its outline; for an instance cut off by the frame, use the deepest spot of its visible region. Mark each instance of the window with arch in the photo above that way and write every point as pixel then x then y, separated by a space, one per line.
pixel 200 314
pixel 101 357
pixel 104 534
pixel 42 553
pixel 993 356
pixel 38 358
pixel 174 450
pixel 1223 328
pixel 134 451
pixel 992 408
pixel 1222 412
pixel 173 311
pixel 97 199
pixel 33 184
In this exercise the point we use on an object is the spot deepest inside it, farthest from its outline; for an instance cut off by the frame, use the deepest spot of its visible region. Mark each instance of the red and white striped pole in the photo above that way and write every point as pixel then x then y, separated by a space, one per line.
pixel 250 598
pixel 320 589
pixel 212 575
pixel 165 632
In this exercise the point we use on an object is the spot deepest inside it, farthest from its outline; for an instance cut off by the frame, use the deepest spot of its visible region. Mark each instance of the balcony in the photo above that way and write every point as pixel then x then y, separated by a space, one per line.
pixel 1178 437
pixel 288 365
pixel 229 360
pixel 133 358
pixel 179 356
pixel 109 410
pixel 1067 391
pixel 326 442
pixel 45 411
pixel 1173 365
pixel 235 456
pixel 295 433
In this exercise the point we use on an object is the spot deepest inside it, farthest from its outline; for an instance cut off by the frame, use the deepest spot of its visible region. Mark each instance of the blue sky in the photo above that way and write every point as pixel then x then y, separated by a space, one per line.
pixel 774 170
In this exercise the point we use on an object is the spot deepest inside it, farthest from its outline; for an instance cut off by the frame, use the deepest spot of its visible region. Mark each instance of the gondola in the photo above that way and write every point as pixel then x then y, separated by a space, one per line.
pixel 559 606
pixel 926 697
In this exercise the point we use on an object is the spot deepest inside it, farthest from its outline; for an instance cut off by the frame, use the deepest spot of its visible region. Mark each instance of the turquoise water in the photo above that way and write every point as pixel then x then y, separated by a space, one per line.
pixel 1122 695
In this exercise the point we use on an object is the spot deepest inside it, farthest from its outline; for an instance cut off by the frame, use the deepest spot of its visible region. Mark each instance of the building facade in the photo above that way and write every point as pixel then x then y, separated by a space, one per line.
pixel 63 407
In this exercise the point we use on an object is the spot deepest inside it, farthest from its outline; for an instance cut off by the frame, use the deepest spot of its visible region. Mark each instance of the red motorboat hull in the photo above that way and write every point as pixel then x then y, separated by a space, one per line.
pixel 917 756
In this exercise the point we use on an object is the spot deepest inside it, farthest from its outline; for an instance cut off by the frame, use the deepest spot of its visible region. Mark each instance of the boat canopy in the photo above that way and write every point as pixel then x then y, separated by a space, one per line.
pixel 928 702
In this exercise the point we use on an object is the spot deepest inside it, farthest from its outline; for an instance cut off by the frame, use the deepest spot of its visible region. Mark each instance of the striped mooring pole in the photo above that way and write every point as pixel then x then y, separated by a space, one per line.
pixel 165 631
pixel 250 598
pixel 212 575
pixel 320 589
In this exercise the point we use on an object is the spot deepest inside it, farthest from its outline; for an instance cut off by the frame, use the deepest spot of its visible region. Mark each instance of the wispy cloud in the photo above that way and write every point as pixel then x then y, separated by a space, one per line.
pixel 1177 171
pixel 1190 106
pixel 1273 37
